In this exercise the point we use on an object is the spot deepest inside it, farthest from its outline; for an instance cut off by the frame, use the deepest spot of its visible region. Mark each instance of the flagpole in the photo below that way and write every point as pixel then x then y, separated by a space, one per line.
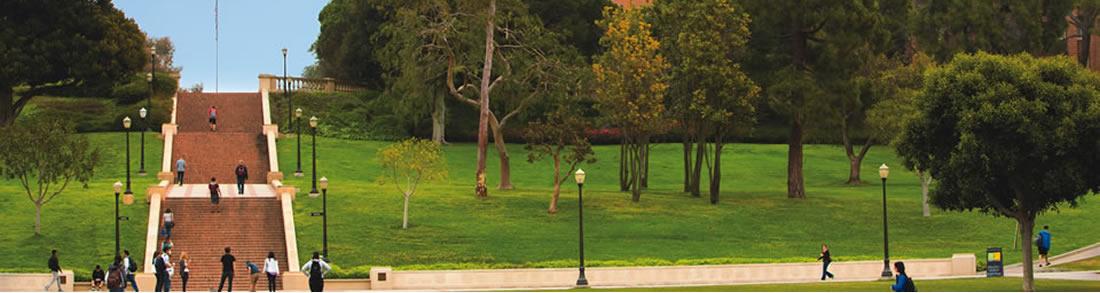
pixel 217 77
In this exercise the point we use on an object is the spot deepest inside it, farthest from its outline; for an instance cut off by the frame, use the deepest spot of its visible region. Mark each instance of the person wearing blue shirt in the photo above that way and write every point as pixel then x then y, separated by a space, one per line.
pixel 902 282
pixel 181 166
pixel 1044 245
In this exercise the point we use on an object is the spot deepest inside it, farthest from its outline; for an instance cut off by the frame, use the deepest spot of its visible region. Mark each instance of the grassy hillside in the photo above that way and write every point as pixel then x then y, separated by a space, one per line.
pixel 79 222
pixel 754 222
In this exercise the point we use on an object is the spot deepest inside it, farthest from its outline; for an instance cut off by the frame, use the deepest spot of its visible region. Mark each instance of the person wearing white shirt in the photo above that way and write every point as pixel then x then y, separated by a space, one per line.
pixel 316 269
pixel 271 268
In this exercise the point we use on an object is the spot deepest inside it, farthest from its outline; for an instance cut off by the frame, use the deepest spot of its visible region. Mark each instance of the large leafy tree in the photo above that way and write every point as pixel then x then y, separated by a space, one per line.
pixel 1083 18
pixel 573 19
pixel 45 173
pixel 944 28
pixel 1013 136
pixel 349 38
pixel 55 44
pixel 709 94
pixel 803 54
pixel 633 78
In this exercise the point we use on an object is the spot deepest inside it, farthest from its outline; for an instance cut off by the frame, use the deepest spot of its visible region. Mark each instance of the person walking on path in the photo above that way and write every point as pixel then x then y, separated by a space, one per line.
pixel 181 166
pixel 168 270
pixel 903 283
pixel 242 175
pixel 160 271
pixel 185 270
pixel 116 276
pixel 271 268
pixel 213 112
pixel 131 267
pixel 227 269
pixel 826 259
pixel 169 223
pixel 253 274
pixel 1044 246
pixel 98 277
pixel 55 271
pixel 316 269
pixel 215 193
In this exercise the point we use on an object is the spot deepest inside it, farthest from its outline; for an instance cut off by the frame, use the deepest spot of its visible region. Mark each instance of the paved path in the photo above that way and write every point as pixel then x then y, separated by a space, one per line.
pixel 1017 270
pixel 227 190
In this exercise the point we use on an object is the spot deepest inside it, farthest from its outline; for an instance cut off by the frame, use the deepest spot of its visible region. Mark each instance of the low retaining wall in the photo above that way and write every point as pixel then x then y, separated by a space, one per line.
pixel 958 265
pixel 34 282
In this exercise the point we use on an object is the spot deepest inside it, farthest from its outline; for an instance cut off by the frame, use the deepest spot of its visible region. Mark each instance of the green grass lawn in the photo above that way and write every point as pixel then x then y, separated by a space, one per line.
pixel 951 285
pixel 1090 264
pixel 753 223
pixel 79 222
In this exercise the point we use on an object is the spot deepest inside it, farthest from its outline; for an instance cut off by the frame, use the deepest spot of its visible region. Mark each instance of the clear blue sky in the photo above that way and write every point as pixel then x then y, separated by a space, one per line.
pixel 252 33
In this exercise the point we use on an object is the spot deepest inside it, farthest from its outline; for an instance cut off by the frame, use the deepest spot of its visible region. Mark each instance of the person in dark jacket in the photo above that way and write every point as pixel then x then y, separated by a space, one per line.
pixel 55 271
pixel 242 175
pixel 98 277
pixel 902 282
pixel 826 259
pixel 316 269
pixel 116 272
pixel 215 193
pixel 227 269
pixel 160 271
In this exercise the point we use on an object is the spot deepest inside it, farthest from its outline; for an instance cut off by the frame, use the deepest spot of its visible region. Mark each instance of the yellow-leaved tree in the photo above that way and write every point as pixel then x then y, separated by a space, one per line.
pixel 408 163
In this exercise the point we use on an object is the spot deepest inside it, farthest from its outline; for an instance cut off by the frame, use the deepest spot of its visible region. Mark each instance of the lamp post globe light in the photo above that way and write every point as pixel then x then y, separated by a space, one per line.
pixel 579 176
pixel 298 133
pixel 286 91
pixel 313 128
pixel 142 113
pixel 883 172
pixel 324 217
pixel 126 122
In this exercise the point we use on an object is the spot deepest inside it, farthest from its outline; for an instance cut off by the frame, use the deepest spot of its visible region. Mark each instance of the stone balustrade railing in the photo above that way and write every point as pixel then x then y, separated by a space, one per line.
pixel 277 84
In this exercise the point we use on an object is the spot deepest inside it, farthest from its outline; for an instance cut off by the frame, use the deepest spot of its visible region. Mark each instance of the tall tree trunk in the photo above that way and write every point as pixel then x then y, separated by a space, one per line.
pixel 7 105
pixel 483 118
pixel 405 214
pixel 1027 225
pixel 700 155
pixel 925 180
pixel 1084 45
pixel 855 159
pixel 502 152
pixel 624 160
pixel 645 168
pixel 716 169
pixel 795 186
pixel 37 219
pixel 687 162
pixel 640 148
pixel 557 183
pixel 439 117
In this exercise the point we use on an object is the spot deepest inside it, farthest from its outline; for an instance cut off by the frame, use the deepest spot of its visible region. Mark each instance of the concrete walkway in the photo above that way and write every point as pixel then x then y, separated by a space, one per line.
pixel 1087 252
pixel 227 191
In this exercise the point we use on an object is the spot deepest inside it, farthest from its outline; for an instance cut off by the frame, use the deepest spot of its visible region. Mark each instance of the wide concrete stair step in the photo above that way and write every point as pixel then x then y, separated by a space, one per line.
pixel 252 227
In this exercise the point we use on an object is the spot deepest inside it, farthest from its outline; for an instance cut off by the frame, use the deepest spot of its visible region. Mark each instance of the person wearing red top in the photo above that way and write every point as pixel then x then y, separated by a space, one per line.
pixel 213 112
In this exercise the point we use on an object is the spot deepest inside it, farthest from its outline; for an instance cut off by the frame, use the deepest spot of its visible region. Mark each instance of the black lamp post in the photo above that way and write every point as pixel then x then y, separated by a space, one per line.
pixel 128 200
pixel 142 113
pixel 324 217
pixel 286 92
pixel 579 176
pixel 313 126
pixel 883 172
pixel 298 133
pixel 126 124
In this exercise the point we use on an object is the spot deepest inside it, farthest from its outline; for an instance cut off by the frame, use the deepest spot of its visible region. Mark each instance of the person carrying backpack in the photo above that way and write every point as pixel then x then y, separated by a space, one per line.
pixel 116 276
pixel 316 269
pixel 130 267
pixel 55 272
pixel 242 174
pixel 903 282
pixel 215 193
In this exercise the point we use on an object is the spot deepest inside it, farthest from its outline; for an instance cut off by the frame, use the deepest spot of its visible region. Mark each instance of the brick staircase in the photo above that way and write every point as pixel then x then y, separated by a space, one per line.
pixel 250 226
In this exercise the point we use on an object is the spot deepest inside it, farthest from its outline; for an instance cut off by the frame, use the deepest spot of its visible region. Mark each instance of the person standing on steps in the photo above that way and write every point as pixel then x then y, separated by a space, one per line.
pixel 227 269
pixel 826 259
pixel 169 223
pixel 242 175
pixel 55 271
pixel 1043 243
pixel 160 271
pixel 215 193
pixel 185 271
pixel 131 268
pixel 316 269
pixel 253 274
pixel 168 270
pixel 167 244
pixel 213 112
pixel 271 268
pixel 181 166
pixel 902 283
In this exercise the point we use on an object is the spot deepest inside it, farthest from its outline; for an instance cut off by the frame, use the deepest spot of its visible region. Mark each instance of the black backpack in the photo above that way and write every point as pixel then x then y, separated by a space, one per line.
pixel 315 269
pixel 133 266
pixel 114 278
pixel 909 285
